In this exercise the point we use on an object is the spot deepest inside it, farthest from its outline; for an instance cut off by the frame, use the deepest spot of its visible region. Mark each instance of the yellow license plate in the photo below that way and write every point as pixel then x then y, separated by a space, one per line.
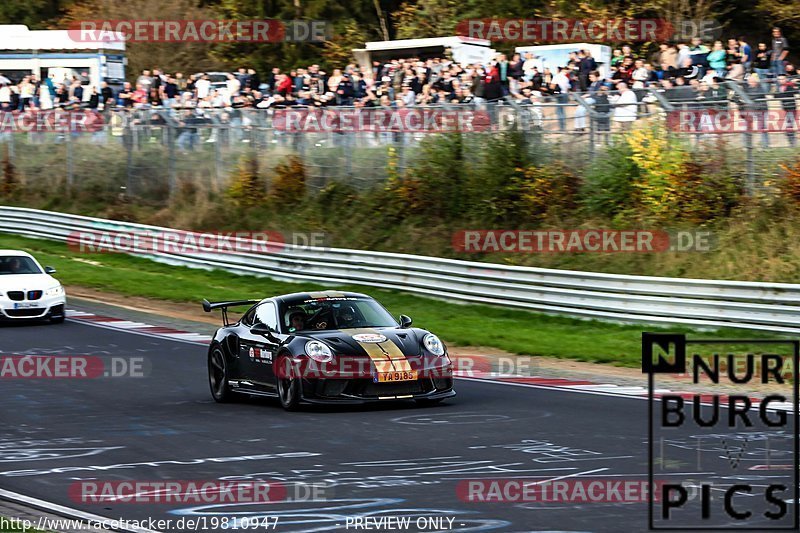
pixel 408 375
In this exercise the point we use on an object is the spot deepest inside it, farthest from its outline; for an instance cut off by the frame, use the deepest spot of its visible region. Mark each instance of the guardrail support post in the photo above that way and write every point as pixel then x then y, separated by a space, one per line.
pixel 70 162
pixel 173 177
pixel 750 164
pixel 218 164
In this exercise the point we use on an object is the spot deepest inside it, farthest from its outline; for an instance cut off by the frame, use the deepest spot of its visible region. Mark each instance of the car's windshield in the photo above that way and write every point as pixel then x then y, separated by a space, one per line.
pixel 18 264
pixel 316 314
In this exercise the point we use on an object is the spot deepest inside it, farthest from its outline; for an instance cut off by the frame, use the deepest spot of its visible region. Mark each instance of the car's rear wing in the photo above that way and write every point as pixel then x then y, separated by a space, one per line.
pixel 210 306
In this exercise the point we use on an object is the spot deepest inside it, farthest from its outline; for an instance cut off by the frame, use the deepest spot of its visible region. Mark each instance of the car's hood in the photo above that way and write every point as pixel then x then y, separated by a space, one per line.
pixel 26 282
pixel 353 341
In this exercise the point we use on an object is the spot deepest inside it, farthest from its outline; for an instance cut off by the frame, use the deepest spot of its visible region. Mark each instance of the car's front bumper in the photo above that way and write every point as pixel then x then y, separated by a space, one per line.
pixel 358 391
pixel 44 307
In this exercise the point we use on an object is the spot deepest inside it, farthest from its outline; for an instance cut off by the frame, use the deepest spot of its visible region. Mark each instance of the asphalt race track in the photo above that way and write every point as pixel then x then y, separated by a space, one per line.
pixel 389 460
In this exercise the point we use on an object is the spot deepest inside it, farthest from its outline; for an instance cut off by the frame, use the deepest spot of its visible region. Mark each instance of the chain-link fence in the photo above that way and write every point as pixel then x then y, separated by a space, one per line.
pixel 150 153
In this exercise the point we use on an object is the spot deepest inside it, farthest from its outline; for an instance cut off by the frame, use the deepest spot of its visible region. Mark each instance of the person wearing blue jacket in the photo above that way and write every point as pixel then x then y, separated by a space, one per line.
pixel 716 59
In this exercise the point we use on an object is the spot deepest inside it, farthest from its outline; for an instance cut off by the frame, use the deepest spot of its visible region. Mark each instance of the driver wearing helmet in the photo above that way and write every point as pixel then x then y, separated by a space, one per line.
pixel 346 317
pixel 15 265
pixel 296 319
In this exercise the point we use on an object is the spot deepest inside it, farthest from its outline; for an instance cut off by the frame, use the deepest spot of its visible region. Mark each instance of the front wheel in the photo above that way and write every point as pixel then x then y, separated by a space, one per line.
pixel 218 376
pixel 289 393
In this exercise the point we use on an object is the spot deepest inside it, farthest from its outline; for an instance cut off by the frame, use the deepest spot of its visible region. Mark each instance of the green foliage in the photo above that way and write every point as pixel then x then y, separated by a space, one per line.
pixel 495 178
pixel 426 18
pixel 781 11
pixel 186 57
pixel 10 183
pixel 609 189
pixel 35 14
pixel 247 188
pixel 702 196
pixel 675 185
pixel 790 182
pixel 435 184
pixel 288 185
pixel 349 35
pixel 418 198
pixel 550 192
pixel 353 20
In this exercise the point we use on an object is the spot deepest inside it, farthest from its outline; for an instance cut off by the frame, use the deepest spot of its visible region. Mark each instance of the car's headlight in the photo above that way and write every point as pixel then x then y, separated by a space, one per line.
pixel 433 344
pixel 319 351
pixel 55 291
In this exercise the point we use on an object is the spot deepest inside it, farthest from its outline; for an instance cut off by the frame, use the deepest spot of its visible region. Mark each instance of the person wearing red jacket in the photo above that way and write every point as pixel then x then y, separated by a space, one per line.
pixel 284 87
pixel 493 87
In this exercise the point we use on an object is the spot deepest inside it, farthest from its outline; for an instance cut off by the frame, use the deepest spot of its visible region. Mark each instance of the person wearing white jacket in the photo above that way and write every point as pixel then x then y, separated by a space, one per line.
pixel 45 99
pixel 625 104
pixel 5 97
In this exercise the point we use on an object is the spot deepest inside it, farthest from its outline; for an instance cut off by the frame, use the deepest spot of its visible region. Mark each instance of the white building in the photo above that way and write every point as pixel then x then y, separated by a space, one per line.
pixel 463 50
pixel 557 55
pixel 56 54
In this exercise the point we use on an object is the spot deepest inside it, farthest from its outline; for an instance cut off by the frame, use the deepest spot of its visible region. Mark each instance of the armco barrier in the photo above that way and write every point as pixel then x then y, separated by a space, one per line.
pixel 710 303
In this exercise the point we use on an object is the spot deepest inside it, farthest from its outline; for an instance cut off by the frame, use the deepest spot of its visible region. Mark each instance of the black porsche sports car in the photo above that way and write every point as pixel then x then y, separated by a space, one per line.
pixel 325 347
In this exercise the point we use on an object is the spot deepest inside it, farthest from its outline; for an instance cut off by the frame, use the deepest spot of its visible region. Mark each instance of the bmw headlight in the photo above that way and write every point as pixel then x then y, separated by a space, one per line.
pixel 319 351
pixel 55 291
pixel 433 344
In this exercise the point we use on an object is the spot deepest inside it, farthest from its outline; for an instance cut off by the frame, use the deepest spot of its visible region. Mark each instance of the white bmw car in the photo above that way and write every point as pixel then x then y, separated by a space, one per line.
pixel 28 291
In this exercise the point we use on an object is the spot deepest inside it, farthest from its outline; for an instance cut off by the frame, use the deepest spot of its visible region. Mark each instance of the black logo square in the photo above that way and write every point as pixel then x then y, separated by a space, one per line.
pixel 669 348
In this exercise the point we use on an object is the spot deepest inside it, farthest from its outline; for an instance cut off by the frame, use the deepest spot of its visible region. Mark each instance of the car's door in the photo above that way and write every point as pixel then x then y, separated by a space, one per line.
pixel 246 342
pixel 257 350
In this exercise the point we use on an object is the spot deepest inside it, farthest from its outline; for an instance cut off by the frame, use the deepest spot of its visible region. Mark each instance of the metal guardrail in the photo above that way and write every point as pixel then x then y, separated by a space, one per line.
pixel 708 303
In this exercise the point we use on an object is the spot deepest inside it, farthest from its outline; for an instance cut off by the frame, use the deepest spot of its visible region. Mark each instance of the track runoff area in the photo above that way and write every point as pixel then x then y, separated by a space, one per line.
pixel 137 444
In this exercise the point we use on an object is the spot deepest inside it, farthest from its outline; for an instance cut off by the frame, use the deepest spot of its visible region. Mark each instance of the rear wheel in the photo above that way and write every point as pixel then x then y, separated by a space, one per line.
pixel 218 376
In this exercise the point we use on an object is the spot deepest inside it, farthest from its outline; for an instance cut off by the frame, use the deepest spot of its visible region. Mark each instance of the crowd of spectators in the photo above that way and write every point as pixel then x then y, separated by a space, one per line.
pixel 682 72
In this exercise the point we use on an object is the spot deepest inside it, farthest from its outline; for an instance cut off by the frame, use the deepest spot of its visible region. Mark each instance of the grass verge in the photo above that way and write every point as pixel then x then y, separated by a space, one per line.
pixel 512 330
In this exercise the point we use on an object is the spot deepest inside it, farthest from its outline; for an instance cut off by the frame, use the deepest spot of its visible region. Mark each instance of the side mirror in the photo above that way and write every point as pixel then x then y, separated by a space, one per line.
pixel 265 331
pixel 49 270
pixel 405 321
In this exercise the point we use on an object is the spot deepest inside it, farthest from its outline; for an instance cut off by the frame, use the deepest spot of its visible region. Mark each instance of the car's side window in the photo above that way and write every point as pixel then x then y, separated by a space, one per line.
pixel 249 316
pixel 266 314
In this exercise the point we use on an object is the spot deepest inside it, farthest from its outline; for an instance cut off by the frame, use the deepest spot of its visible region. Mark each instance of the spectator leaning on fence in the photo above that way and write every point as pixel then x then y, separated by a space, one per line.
pixel 786 93
pixel 625 104
pixel 780 49
pixel 717 59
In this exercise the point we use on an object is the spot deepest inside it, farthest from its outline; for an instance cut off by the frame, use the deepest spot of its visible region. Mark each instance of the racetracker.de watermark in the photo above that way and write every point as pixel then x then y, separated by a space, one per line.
pixel 710 120
pixel 51 121
pixel 581 241
pixel 550 30
pixel 586 490
pixel 353 367
pixel 410 120
pixel 196 31
pixel 190 242
pixel 194 491
pixel 72 367
pixel 566 30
